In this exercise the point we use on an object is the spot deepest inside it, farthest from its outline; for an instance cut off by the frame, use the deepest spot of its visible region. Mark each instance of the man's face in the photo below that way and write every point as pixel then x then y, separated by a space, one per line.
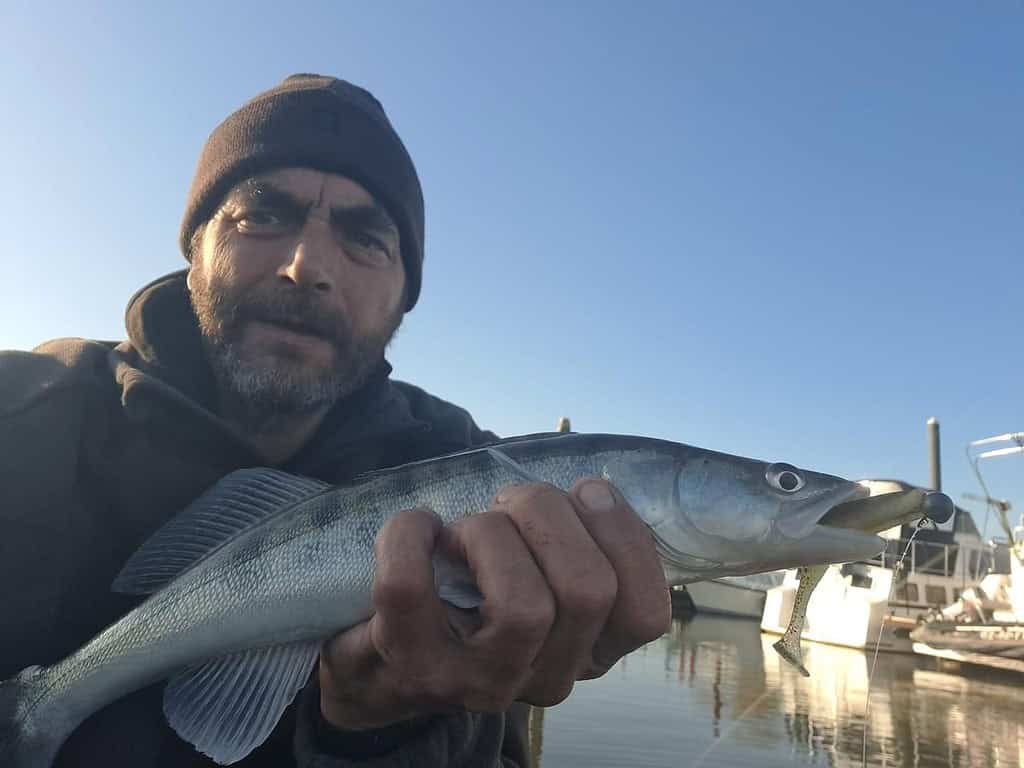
pixel 298 285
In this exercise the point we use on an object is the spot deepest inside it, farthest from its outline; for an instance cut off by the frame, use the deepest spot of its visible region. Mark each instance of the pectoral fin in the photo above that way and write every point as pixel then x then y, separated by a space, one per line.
pixel 455 584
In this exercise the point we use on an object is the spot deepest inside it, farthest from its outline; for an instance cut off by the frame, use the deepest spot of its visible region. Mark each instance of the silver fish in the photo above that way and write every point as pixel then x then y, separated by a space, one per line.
pixel 246 583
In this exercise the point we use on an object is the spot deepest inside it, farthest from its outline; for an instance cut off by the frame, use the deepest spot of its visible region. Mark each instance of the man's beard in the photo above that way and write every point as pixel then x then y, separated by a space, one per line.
pixel 259 394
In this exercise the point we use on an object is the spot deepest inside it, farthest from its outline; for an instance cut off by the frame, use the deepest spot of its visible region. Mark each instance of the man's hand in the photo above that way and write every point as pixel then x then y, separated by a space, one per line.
pixel 571 583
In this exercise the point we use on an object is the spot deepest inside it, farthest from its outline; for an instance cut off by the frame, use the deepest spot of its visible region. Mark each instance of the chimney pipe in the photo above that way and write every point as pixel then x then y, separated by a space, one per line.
pixel 933 453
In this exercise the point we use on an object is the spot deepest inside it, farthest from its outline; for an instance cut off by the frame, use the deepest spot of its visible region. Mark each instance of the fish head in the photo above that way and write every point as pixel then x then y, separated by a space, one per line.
pixel 714 514
pixel 741 499
pixel 732 516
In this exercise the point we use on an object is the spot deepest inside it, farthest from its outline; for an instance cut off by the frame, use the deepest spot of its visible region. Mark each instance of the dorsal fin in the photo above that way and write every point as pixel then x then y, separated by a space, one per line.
pixel 236 503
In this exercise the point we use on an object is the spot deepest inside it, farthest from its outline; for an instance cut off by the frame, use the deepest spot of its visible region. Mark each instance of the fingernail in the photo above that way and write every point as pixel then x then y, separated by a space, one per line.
pixel 507 493
pixel 597 497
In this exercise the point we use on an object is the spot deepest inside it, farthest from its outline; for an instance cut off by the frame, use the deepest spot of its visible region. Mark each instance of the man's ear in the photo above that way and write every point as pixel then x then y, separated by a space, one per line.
pixel 194 244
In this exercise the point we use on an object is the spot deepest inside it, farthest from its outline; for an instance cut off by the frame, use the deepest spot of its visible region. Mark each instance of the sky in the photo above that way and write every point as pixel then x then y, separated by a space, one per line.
pixel 790 231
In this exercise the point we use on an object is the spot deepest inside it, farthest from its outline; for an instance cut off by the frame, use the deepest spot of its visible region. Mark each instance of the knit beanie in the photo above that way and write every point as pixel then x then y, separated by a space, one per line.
pixel 319 122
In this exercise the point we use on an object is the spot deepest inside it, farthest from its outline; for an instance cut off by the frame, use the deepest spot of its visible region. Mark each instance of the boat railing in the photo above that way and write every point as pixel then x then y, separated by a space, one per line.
pixel 933 559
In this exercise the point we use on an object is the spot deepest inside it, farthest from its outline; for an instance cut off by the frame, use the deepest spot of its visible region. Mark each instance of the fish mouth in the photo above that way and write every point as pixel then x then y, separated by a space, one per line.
pixel 813 510
pixel 843 524
pixel 887 503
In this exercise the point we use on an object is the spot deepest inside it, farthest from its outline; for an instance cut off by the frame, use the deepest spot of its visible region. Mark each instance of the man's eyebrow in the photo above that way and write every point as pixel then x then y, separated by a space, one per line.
pixel 265 193
pixel 366 217
pixel 370 216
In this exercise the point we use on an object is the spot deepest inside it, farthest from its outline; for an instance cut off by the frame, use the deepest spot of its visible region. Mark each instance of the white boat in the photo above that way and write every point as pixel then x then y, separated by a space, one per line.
pixel 742 596
pixel 1015 586
pixel 860 604
pixel 986 626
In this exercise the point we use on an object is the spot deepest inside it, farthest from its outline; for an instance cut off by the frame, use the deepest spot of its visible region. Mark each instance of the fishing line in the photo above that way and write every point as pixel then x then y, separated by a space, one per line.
pixel 878 642
pixel 729 730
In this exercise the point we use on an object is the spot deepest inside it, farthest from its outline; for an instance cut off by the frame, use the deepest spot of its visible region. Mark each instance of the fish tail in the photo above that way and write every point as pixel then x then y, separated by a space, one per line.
pixel 27 738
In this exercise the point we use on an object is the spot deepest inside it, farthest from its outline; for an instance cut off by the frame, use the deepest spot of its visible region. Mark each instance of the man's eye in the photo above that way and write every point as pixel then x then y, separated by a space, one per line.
pixel 371 243
pixel 260 221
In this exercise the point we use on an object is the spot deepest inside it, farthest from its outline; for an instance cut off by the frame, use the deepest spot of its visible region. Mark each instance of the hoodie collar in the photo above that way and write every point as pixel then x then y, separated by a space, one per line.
pixel 162 330
pixel 167 362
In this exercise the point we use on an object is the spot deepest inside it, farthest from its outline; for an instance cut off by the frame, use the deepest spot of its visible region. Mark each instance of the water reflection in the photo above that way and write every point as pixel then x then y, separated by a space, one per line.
pixel 712 692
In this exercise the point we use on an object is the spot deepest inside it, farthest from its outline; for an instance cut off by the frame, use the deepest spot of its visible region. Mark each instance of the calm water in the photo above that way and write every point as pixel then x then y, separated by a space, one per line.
pixel 712 692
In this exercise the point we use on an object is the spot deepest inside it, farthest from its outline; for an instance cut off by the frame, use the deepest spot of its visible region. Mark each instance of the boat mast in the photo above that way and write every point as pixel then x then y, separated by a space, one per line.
pixel 974 456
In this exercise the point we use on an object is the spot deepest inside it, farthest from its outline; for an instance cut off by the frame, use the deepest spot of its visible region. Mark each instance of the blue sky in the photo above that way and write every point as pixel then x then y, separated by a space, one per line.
pixel 789 231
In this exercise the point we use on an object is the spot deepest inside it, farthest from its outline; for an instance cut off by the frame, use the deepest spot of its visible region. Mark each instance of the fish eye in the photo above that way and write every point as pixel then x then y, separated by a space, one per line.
pixel 784 477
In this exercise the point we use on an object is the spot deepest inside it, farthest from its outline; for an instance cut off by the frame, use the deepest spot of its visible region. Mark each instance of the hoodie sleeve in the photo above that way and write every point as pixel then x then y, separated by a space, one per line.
pixel 461 739
pixel 40 423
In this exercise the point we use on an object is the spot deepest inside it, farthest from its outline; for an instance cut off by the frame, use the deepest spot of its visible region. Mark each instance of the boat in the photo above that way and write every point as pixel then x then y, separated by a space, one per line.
pixel 1005 640
pixel 741 596
pixel 985 627
pixel 871 603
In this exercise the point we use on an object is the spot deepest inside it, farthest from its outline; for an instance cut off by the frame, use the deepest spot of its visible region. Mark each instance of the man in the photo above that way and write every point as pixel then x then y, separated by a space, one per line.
pixel 304 233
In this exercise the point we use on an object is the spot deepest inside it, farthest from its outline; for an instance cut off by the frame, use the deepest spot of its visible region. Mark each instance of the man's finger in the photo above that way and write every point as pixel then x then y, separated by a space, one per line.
pixel 579 575
pixel 517 610
pixel 405 598
pixel 370 674
pixel 642 610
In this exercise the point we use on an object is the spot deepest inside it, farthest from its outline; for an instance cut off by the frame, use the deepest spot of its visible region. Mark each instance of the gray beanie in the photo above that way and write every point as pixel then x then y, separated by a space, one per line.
pixel 318 122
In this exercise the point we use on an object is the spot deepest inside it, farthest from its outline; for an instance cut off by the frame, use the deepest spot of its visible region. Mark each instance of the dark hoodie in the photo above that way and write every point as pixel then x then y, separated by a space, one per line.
pixel 101 443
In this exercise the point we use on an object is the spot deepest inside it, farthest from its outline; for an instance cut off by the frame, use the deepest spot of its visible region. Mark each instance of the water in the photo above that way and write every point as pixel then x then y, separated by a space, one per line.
pixel 713 692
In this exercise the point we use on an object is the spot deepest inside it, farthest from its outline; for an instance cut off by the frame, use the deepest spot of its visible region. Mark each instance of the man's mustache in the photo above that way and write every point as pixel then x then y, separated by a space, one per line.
pixel 297 312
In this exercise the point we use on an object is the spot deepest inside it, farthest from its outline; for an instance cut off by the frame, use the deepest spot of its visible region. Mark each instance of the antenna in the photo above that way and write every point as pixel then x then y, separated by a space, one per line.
pixel 1017 437
pixel 1008 437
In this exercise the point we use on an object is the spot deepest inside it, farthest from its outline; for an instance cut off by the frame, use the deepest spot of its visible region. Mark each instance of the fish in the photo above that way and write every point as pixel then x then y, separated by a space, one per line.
pixel 243 586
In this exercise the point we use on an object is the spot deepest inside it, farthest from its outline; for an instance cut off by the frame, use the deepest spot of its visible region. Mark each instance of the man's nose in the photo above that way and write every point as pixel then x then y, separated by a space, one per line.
pixel 312 258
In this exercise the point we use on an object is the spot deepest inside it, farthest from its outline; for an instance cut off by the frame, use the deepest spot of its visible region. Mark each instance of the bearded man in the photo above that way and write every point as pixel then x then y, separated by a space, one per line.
pixel 304 235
